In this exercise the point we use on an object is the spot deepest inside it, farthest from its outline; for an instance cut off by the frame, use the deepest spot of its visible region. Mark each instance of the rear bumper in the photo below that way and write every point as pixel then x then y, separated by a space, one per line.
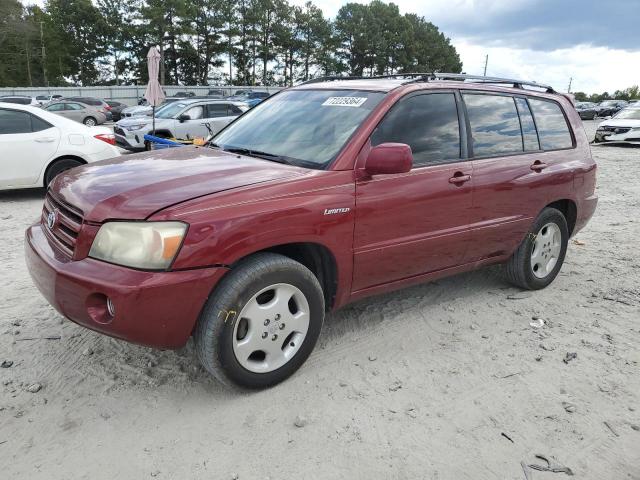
pixel 156 309
pixel 586 209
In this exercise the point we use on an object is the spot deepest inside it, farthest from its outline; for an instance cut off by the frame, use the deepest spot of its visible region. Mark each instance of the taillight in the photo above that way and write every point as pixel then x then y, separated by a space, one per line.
pixel 108 107
pixel 110 138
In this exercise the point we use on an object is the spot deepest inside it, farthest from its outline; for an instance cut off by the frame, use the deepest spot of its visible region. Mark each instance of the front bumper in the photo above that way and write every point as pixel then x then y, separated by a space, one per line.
pixel 156 309
pixel 129 140
pixel 623 135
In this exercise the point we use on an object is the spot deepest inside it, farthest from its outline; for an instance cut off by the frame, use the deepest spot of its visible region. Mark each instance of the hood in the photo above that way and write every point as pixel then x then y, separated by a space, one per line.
pixel 136 186
pixel 620 122
pixel 137 120
pixel 138 110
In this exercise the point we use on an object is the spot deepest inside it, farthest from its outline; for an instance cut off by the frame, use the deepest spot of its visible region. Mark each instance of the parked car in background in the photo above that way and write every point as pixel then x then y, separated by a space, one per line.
pixel 184 94
pixel 101 104
pixel 328 193
pixel 215 93
pixel 20 100
pixel 45 99
pixel 37 145
pixel 145 109
pixel 116 109
pixel 634 101
pixel 88 114
pixel 181 119
pixel 250 97
pixel 587 110
pixel 623 127
pixel 609 107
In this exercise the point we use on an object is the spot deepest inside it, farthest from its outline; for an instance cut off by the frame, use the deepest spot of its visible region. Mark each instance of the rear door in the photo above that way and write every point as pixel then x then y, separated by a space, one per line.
pixel 414 223
pixel 510 181
pixel 27 144
pixel 219 115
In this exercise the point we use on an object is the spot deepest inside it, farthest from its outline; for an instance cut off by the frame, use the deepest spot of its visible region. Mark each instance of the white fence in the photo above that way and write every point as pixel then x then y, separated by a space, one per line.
pixel 126 94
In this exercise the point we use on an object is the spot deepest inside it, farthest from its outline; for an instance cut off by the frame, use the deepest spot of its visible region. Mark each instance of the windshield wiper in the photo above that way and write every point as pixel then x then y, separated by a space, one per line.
pixel 258 154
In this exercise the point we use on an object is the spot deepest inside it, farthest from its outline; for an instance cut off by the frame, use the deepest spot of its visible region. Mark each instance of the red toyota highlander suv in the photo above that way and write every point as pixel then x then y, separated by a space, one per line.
pixel 323 194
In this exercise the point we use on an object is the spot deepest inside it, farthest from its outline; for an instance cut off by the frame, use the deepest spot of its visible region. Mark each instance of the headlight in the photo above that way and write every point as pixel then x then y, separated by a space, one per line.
pixel 131 128
pixel 146 245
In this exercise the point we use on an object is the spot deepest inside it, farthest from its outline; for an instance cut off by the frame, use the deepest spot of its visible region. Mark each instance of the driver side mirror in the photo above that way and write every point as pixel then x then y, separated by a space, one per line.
pixel 389 158
pixel 184 117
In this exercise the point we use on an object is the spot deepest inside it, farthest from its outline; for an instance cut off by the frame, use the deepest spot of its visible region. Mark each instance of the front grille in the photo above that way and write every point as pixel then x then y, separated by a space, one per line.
pixel 66 224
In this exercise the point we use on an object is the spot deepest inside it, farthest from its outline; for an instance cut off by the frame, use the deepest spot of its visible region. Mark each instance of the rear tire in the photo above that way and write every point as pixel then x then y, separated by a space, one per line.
pixel 538 259
pixel 59 166
pixel 90 122
pixel 261 322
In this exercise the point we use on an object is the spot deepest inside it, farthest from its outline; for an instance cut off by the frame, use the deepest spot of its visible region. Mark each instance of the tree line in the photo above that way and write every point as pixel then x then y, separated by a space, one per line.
pixel 631 93
pixel 203 42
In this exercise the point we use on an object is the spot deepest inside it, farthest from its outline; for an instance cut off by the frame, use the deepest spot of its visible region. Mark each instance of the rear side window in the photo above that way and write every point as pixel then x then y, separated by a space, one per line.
pixel 12 121
pixel 529 133
pixel 427 123
pixel 552 125
pixel 216 110
pixel 495 125
pixel 38 124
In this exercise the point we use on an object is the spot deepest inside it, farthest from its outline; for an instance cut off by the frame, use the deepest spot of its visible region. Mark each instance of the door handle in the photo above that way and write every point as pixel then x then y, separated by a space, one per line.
pixel 459 178
pixel 45 140
pixel 538 166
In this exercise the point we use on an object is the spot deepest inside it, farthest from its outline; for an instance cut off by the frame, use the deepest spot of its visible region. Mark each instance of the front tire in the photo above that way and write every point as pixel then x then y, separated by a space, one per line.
pixel 59 166
pixel 538 259
pixel 261 322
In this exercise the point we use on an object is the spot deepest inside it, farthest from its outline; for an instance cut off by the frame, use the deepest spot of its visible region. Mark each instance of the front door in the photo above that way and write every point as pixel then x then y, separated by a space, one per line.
pixel 418 222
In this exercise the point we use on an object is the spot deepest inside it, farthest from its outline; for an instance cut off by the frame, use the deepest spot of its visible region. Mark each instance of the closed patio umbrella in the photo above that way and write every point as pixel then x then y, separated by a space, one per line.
pixel 154 93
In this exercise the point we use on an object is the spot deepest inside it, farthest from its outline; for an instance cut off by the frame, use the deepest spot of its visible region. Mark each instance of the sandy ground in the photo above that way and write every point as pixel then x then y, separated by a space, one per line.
pixel 442 381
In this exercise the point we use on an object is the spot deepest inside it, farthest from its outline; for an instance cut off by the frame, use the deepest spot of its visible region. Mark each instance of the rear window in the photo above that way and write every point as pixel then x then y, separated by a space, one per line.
pixel 553 129
pixel 17 100
pixel 495 125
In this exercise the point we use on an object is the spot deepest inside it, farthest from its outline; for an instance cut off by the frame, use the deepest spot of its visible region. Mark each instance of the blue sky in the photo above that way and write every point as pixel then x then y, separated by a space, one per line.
pixel 595 42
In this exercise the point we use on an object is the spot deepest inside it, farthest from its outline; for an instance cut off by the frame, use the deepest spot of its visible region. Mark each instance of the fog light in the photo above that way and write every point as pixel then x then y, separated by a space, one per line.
pixel 111 309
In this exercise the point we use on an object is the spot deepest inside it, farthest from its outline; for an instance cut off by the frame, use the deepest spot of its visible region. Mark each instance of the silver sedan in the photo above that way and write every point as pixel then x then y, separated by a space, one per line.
pixel 80 112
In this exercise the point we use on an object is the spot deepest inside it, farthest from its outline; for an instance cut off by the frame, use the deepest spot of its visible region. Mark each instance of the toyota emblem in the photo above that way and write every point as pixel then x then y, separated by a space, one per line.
pixel 51 219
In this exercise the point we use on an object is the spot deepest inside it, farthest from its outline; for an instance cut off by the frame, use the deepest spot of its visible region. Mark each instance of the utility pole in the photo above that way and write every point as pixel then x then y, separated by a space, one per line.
pixel 44 56
pixel 486 62
pixel 570 81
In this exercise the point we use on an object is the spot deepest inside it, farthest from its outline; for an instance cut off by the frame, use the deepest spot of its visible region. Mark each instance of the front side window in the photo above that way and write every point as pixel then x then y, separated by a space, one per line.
pixel 56 107
pixel 195 113
pixel 12 122
pixel 495 126
pixel 427 123
pixel 552 126
pixel 307 127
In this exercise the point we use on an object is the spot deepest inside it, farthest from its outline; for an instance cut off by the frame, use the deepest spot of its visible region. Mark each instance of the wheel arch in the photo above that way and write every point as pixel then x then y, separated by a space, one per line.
pixel 57 159
pixel 316 257
pixel 569 209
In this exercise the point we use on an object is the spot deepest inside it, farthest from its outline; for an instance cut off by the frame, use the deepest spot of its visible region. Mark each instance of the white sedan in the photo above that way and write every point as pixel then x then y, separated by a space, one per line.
pixel 623 127
pixel 36 145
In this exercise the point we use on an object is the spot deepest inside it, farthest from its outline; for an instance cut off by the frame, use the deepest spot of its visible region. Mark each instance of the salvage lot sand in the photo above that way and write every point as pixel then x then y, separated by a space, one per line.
pixel 441 381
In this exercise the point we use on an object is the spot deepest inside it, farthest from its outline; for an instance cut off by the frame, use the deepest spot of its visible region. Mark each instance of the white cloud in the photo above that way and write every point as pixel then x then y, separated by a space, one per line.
pixel 594 69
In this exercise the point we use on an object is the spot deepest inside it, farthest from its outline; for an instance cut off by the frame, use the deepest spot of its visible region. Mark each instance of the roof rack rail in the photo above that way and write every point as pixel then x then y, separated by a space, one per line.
pixel 482 79
pixel 435 76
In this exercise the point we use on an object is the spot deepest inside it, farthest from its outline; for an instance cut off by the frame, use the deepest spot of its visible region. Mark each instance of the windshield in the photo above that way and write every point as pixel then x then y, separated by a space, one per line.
pixel 629 113
pixel 170 110
pixel 306 125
